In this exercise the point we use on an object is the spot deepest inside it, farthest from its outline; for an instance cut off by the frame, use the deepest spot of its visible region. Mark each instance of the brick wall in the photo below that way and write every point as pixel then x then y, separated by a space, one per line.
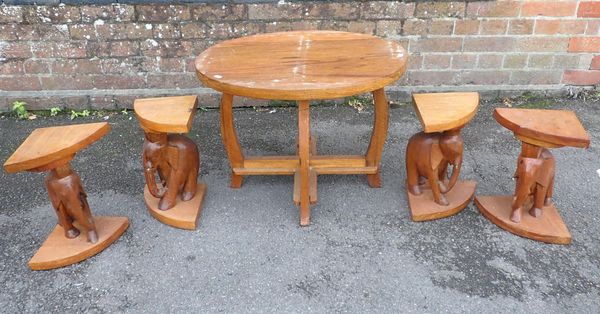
pixel 104 55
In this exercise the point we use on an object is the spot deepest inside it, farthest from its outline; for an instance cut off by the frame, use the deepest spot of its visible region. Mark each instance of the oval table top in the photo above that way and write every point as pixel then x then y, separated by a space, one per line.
pixel 301 65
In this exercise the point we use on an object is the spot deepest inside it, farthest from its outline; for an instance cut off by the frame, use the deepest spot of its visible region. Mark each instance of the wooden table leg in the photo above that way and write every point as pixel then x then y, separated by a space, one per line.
pixel 380 129
pixel 230 139
pixel 304 153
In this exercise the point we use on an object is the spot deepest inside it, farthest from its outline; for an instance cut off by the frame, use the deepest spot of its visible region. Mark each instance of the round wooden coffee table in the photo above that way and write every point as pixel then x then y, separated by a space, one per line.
pixel 303 66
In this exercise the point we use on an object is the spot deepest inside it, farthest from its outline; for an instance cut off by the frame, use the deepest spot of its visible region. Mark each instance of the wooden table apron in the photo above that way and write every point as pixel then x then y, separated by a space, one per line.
pixel 303 66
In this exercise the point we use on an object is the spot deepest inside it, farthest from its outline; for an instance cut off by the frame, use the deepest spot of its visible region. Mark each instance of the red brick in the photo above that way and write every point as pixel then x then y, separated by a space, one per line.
pixel 414 27
pixel 520 27
pixel 549 8
pixel 387 10
pixel 15 50
pixel 489 44
pixel 540 61
pixel 332 10
pixel 11 67
pixel 484 77
pixel 36 66
pixel 567 61
pixel 218 12
pixel 595 65
pixel 283 26
pixel 389 28
pixel 129 65
pixel 122 31
pixel 532 77
pixel 415 61
pixel 102 103
pixel 239 29
pixel 8 32
pixel 493 9
pixel 82 31
pixel 52 14
pixel 114 12
pixel 171 65
pixel 173 81
pixel 464 61
pixel 113 49
pixel 447 44
pixel 166 48
pixel 365 27
pixel 119 81
pixel 466 27
pixel 416 78
pixel 273 11
pixel 440 27
pixel 584 44
pixel 436 61
pixel 167 31
pixel 489 61
pixel 593 27
pixel 124 102
pixel 63 82
pixel 542 44
pixel 581 77
pixel 47 49
pixel 440 9
pixel 11 14
pixel 56 32
pixel 493 27
pixel 162 13
pixel 552 27
pixel 589 9
pixel 202 30
pixel 76 66
pixel 515 61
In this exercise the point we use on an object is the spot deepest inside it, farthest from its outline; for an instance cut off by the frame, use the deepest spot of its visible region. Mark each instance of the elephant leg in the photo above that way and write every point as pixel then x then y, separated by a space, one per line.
pixel 438 197
pixel 422 180
pixel 86 220
pixel 170 198
pixel 442 176
pixel 189 188
pixel 66 222
pixel 549 191
pixel 412 179
pixel 538 201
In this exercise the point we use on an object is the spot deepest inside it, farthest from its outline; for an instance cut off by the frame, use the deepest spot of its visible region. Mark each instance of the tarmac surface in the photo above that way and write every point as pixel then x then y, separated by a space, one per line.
pixel 361 254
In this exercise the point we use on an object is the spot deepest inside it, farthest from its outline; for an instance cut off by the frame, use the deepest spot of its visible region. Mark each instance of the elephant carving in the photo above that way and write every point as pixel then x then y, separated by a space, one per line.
pixel 535 176
pixel 427 158
pixel 176 160
pixel 70 202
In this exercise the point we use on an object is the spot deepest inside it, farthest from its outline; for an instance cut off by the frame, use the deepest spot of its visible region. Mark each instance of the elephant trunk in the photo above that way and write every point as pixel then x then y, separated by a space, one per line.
pixel 149 173
pixel 455 173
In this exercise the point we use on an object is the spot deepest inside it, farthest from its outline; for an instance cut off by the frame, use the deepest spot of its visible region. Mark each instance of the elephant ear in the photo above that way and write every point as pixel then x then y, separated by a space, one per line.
pixel 436 156
pixel 173 157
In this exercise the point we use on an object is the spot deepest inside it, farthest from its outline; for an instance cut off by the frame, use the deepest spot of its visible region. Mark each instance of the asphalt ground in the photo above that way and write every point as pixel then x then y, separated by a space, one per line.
pixel 362 253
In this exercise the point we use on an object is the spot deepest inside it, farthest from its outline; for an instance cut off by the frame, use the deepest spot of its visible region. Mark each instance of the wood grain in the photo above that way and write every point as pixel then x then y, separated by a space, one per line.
pixel 59 251
pixel 47 145
pixel 423 207
pixel 166 114
pixel 548 228
pixel 555 127
pixel 304 155
pixel 301 65
pixel 184 215
pixel 440 112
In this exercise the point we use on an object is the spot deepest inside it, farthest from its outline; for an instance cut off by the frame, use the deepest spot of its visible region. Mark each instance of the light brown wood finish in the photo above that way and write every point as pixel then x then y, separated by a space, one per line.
pixel 548 228
pixel 47 145
pixel 555 127
pixel 166 114
pixel 440 112
pixel 184 215
pixel 230 139
pixel 423 208
pixel 59 251
pixel 302 65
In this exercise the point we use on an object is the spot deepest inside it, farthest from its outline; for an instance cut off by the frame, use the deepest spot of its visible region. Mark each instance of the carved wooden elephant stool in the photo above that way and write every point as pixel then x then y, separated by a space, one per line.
pixel 176 199
pixel 431 195
pixel 52 149
pixel 537 130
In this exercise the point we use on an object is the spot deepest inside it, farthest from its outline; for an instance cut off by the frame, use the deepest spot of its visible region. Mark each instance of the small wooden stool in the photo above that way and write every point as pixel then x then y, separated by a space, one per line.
pixel 177 199
pixel 431 195
pixel 51 149
pixel 537 130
